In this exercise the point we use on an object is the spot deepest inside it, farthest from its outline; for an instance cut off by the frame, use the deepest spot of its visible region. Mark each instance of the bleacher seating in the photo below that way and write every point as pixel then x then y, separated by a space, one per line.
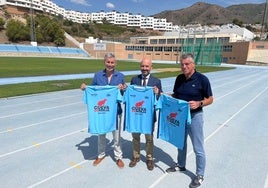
pixel 49 50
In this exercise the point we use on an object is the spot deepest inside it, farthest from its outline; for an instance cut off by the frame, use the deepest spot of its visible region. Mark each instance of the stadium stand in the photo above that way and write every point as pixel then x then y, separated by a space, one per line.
pixel 41 50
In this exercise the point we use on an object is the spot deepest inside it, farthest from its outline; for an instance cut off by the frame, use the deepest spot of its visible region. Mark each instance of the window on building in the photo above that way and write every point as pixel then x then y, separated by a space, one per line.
pixel 129 48
pixel 224 39
pixel 199 40
pixel 162 41
pixel 139 48
pixel 180 41
pixel 168 49
pixel 189 40
pixel 211 40
pixel 149 48
pixel 153 41
pixel 176 48
pixel 227 48
pixel 170 41
pixel 158 49
pixel 259 47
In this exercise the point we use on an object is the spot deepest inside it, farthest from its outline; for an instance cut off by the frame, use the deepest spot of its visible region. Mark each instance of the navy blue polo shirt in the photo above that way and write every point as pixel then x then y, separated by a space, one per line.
pixel 196 88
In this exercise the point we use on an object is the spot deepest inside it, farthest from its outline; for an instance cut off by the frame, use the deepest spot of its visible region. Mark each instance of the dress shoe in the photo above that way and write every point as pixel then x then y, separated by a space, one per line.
pixel 120 163
pixel 150 164
pixel 98 161
pixel 134 162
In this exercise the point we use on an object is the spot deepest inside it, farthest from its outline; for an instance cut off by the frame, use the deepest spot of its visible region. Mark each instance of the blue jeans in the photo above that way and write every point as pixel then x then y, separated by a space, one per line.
pixel 195 131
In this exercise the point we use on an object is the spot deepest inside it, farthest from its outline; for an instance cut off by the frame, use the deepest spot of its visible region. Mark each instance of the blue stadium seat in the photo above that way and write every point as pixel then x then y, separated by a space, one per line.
pixel 42 49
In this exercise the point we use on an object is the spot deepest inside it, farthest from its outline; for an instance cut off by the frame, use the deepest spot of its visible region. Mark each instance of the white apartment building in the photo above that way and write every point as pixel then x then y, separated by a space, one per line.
pixel 113 17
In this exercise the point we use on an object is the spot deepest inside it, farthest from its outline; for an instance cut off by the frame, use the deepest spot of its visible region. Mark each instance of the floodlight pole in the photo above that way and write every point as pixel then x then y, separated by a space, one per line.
pixel 264 23
pixel 32 29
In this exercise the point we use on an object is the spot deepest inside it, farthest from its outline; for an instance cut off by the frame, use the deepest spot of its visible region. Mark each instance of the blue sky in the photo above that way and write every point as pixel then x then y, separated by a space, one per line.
pixel 143 7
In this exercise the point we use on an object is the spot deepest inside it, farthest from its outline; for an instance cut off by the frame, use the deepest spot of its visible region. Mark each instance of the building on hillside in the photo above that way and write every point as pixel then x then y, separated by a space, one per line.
pixel 20 7
pixel 213 45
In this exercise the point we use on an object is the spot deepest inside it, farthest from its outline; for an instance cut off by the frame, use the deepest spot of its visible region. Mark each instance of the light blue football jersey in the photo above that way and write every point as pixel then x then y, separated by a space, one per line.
pixel 102 108
pixel 174 115
pixel 139 109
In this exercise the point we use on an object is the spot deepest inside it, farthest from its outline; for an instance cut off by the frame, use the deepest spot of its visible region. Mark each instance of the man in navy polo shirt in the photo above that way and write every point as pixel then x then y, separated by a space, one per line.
pixel 195 88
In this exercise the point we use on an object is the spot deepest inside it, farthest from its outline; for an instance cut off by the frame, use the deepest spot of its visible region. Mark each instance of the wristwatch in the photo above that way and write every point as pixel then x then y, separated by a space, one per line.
pixel 201 104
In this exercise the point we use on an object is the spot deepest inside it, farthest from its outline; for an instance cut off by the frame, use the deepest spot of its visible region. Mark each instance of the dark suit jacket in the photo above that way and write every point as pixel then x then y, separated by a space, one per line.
pixel 153 81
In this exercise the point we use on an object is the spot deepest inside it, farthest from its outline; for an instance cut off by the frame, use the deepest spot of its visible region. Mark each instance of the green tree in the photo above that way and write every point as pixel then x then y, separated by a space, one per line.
pixel 49 30
pixel 59 39
pixel 17 31
pixel 238 22
pixel 2 23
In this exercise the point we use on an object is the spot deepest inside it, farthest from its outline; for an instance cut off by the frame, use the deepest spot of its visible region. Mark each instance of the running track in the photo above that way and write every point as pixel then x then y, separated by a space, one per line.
pixel 44 140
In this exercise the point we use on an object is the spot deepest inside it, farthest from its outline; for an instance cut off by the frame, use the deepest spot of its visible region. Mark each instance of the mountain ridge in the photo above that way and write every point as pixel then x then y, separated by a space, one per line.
pixel 207 14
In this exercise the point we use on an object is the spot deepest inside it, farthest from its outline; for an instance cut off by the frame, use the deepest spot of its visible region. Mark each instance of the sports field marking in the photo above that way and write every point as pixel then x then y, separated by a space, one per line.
pixel 266 182
pixel 36 144
pixel 160 177
pixel 30 147
pixel 165 174
pixel 42 122
pixel 73 164
pixel 41 143
pixel 42 109
pixel 233 91
pixel 57 174
pixel 216 131
pixel 36 101
pixel 61 172
pixel 236 80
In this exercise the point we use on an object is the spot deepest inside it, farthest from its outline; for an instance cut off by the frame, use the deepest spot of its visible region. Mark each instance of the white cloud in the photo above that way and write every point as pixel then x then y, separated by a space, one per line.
pixel 137 1
pixel 110 5
pixel 81 2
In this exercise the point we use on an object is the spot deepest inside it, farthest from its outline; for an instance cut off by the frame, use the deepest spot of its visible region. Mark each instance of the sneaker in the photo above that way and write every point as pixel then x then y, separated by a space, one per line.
pixel 175 169
pixel 197 181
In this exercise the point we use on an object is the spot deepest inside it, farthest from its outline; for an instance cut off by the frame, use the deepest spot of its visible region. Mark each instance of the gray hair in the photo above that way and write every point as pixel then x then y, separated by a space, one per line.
pixel 109 55
pixel 187 55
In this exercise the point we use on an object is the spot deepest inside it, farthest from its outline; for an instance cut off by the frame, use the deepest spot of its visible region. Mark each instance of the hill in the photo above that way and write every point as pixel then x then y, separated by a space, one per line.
pixel 207 14
pixel 202 13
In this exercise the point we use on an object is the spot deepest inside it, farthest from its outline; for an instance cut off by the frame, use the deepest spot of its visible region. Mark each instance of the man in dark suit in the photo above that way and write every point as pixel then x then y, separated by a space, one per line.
pixel 145 78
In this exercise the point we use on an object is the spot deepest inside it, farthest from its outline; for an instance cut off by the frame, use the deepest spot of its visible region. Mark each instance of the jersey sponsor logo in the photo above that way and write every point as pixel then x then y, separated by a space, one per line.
pixel 171 118
pixel 101 107
pixel 138 107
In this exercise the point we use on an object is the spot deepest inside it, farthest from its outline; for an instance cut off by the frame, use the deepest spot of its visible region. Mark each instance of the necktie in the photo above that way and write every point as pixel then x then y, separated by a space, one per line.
pixel 144 81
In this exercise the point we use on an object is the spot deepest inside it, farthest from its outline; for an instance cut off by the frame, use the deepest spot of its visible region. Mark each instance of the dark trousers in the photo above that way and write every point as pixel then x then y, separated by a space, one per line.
pixel 136 145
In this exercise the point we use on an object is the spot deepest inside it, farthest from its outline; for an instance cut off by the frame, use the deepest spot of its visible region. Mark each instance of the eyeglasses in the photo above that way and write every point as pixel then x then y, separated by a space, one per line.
pixel 186 64
pixel 109 62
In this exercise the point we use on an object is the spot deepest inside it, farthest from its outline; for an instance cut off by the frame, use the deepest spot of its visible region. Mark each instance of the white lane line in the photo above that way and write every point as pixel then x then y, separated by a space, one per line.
pixel 37 101
pixel 234 79
pixel 57 174
pixel 232 91
pixel 212 134
pixel 42 122
pixel 41 143
pixel 235 114
pixel 42 109
pixel 63 171
pixel 266 182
